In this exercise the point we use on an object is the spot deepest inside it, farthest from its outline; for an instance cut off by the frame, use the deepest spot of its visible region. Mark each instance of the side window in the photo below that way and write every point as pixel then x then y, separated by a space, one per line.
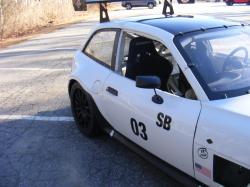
pixel 101 46
pixel 144 56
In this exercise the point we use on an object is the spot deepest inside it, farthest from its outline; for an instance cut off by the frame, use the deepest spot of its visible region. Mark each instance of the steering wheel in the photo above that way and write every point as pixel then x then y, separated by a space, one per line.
pixel 230 61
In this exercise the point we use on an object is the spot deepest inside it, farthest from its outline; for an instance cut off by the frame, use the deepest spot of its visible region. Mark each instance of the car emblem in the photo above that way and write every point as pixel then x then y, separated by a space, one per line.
pixel 202 152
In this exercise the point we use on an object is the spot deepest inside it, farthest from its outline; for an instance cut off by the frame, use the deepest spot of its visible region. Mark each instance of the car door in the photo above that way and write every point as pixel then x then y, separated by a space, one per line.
pixel 137 3
pixel 166 130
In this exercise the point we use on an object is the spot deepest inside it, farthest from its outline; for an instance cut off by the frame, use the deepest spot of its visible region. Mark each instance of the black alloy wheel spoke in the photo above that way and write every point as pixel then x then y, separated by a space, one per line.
pixel 77 96
pixel 78 107
pixel 83 120
pixel 85 101
pixel 87 114
pixel 77 102
pixel 87 120
pixel 80 115
pixel 82 109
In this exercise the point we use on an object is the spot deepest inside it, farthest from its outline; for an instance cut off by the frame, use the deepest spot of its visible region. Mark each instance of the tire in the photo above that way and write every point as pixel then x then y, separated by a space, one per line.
pixel 150 5
pixel 83 111
pixel 230 3
pixel 248 3
pixel 128 6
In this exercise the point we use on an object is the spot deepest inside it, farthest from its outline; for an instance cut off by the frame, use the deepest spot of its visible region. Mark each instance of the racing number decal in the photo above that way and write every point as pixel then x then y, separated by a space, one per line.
pixel 143 134
pixel 167 121
pixel 135 129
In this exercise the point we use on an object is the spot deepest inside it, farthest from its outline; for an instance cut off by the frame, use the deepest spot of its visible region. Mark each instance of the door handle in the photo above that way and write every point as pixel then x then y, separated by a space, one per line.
pixel 112 91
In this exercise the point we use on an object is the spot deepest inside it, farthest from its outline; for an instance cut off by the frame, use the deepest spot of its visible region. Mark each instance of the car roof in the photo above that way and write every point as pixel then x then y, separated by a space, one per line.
pixel 181 24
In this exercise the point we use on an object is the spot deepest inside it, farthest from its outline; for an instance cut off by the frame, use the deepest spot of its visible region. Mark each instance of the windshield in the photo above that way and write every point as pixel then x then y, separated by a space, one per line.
pixel 221 59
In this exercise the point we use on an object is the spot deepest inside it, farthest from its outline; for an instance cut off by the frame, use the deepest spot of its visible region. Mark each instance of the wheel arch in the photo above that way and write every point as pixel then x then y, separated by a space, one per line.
pixel 71 82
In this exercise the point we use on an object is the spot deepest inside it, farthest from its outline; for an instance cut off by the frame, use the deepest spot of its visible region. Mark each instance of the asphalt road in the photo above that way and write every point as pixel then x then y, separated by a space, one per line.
pixel 39 142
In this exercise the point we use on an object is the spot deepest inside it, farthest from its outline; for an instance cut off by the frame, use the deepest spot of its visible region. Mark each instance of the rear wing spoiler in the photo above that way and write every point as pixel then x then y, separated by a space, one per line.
pixel 81 5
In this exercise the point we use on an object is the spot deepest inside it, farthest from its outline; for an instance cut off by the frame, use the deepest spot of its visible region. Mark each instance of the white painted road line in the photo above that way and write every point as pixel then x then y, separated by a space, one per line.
pixel 36 118
pixel 35 69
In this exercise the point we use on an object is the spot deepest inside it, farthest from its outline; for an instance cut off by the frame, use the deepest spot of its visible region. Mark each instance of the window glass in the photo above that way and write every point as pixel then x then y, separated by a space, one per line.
pixel 101 46
pixel 144 56
pixel 221 58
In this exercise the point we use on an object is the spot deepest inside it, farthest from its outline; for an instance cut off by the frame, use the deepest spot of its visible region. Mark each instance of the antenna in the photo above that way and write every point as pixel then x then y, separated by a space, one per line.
pixel 167 4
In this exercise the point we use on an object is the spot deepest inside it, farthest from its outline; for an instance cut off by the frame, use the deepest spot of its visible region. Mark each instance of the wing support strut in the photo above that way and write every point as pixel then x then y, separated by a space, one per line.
pixel 104 10
pixel 167 4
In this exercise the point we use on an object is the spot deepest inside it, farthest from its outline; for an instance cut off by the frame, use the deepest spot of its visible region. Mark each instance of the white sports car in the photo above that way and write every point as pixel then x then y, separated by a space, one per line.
pixel 174 89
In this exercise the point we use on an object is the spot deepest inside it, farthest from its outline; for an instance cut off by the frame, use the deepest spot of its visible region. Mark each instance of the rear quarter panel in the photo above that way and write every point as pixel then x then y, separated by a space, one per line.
pixel 86 71
pixel 226 123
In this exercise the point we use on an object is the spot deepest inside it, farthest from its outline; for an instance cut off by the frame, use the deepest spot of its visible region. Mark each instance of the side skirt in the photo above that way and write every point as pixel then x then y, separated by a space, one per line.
pixel 173 172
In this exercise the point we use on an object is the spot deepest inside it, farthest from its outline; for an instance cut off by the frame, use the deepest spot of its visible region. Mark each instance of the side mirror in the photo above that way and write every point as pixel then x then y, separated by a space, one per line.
pixel 150 82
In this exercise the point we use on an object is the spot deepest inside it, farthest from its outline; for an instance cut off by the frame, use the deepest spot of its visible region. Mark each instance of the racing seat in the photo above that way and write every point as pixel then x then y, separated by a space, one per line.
pixel 143 59
pixel 204 63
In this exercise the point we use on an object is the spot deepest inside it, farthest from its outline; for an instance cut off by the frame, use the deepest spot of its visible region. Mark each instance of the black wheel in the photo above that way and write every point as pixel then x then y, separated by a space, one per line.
pixel 248 3
pixel 150 5
pixel 82 110
pixel 128 6
pixel 230 3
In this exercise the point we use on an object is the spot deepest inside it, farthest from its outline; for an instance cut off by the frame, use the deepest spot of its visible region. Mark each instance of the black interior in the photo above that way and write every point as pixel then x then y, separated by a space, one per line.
pixel 143 59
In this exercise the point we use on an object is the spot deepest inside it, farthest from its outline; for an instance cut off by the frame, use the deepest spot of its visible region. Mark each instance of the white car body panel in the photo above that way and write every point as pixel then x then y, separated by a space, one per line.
pixel 163 37
pixel 133 102
pixel 226 122
pixel 208 163
pixel 85 76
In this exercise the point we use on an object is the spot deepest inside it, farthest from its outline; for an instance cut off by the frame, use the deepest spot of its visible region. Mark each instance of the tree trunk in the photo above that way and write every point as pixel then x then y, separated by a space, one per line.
pixel 1 21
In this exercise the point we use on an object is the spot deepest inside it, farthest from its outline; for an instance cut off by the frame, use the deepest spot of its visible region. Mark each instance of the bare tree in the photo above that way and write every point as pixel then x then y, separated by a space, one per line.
pixel 18 17
pixel 6 7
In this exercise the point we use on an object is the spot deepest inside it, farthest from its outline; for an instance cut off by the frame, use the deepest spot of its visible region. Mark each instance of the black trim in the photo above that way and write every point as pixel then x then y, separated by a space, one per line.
pixel 112 91
pixel 230 174
pixel 173 172
pixel 118 33
pixel 114 52
pixel 97 60
pixel 103 123
pixel 184 24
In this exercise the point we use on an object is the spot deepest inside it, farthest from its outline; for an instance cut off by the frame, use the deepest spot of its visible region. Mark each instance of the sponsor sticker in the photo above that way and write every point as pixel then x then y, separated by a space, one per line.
pixel 202 152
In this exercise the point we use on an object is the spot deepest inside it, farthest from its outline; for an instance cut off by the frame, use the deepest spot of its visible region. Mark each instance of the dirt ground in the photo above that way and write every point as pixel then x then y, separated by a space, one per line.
pixel 45 30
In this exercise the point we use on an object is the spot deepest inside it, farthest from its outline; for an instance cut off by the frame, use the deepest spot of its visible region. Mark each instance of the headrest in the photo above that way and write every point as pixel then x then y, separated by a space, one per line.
pixel 142 46
pixel 201 47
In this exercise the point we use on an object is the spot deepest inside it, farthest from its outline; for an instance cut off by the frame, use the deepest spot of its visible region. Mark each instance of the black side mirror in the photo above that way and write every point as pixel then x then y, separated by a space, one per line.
pixel 150 82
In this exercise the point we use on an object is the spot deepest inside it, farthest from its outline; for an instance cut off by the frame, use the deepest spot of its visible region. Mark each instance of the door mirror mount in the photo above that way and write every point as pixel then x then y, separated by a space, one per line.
pixel 150 82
